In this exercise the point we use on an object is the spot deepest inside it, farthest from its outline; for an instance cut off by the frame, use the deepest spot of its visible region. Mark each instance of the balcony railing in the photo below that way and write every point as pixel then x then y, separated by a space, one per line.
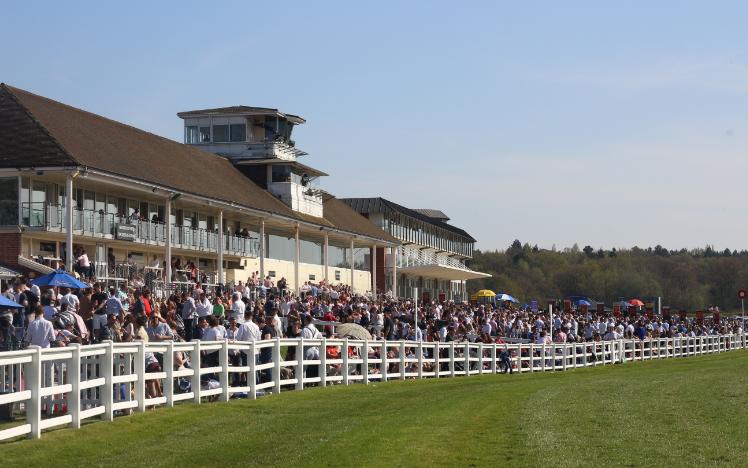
pixel 416 257
pixel 92 223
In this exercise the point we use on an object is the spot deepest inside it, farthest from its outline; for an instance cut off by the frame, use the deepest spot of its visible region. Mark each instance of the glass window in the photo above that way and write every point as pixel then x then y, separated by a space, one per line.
pixel 310 252
pixel 238 132
pixel 339 257
pixel 190 134
pixel 220 133
pixel 88 200
pixel 205 134
pixel 9 201
pixel 111 204
pixel 361 259
pixel 280 247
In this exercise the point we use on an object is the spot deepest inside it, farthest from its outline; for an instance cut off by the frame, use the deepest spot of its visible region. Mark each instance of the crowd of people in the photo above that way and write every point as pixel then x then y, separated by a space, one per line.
pixel 258 309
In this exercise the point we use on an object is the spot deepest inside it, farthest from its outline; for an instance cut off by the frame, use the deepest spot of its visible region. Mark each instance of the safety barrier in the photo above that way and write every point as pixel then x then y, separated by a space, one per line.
pixel 55 387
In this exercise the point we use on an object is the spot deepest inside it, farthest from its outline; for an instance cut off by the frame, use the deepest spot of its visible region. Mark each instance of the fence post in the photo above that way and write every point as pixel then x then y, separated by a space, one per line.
pixel 402 360
pixel 34 382
pixel 277 365
pixel 365 365
pixel 493 358
pixel 140 373
pixel 519 357
pixel 74 377
pixel 437 364
pixel 420 359
pixel 107 391
pixel 451 358
pixel 196 360
pixel 383 357
pixel 252 374
pixel 223 361
pixel 344 353
pixel 467 358
pixel 532 357
pixel 300 364
pixel 542 361
pixel 169 369
pixel 323 363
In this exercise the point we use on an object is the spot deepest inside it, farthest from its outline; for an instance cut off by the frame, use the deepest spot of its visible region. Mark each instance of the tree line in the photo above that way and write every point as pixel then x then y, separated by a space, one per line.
pixel 685 279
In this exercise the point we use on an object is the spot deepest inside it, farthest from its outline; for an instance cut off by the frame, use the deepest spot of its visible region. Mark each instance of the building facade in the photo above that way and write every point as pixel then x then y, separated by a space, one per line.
pixel 233 200
pixel 432 253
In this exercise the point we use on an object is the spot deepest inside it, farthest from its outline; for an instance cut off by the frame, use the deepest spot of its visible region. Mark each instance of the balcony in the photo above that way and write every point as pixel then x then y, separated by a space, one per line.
pixel 48 217
pixel 429 264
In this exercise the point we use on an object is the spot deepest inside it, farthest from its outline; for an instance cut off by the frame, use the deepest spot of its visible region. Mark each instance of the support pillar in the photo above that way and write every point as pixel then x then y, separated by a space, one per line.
pixel 394 271
pixel 297 252
pixel 324 252
pixel 167 241
pixel 69 219
pixel 352 266
pixel 219 248
pixel 262 250
pixel 374 270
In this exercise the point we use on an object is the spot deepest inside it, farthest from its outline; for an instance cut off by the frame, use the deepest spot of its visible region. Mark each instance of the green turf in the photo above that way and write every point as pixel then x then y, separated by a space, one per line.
pixel 680 412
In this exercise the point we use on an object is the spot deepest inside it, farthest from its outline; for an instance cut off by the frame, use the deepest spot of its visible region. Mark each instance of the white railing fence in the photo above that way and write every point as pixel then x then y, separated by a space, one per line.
pixel 47 388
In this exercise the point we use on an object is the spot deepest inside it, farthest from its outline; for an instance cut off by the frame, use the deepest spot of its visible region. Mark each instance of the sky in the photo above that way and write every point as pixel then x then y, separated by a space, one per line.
pixel 610 124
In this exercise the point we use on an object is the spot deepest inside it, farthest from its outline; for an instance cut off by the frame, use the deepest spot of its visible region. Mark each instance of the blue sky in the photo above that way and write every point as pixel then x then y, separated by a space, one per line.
pixel 557 123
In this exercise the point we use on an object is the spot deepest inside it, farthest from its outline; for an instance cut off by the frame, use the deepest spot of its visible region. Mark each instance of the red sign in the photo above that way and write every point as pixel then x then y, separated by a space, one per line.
pixel 742 294
pixel 567 306
pixel 584 309
pixel 600 308
pixel 617 310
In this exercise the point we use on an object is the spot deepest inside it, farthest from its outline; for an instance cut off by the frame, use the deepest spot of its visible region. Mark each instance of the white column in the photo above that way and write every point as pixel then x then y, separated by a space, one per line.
pixel 394 271
pixel 324 252
pixel 374 270
pixel 297 252
pixel 262 250
pixel 352 288
pixel 69 219
pixel 167 241
pixel 219 248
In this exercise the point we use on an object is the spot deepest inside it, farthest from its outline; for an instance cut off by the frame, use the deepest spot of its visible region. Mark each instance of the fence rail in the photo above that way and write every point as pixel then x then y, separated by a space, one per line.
pixel 47 388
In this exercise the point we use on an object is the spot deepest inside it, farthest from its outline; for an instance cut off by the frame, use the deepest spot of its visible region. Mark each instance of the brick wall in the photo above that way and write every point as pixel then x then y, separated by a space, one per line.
pixel 10 248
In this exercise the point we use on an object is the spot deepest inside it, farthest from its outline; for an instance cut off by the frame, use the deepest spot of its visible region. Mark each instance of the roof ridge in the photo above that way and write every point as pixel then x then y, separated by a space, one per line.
pixel 11 92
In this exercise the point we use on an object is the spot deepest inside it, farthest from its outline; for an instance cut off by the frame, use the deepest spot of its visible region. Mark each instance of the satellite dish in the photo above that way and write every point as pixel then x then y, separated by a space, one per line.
pixel 304 180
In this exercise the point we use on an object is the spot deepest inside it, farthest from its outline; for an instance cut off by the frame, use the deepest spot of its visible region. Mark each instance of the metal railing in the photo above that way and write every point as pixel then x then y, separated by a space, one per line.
pixel 407 257
pixel 74 383
pixel 51 217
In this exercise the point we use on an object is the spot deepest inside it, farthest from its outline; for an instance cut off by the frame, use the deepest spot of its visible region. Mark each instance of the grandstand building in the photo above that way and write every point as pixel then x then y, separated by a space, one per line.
pixel 234 199
pixel 432 253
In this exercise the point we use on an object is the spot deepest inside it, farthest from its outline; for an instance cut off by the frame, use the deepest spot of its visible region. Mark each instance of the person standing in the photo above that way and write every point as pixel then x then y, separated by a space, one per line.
pixel 40 331
pixel 189 314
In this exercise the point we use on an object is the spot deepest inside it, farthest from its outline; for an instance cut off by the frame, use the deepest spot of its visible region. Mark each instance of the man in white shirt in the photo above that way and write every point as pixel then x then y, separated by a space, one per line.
pixel 40 331
pixel 310 332
pixel 237 308
pixel 204 307
pixel 70 299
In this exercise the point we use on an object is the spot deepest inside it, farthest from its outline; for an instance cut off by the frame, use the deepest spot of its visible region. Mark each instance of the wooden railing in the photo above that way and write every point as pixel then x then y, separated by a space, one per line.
pixel 53 387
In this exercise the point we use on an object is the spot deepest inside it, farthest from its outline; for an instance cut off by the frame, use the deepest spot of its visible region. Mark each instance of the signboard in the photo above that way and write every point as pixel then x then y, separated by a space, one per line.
pixel 617 310
pixel 125 232
pixel 742 294
pixel 534 305
pixel 584 309
pixel 567 306
pixel 601 308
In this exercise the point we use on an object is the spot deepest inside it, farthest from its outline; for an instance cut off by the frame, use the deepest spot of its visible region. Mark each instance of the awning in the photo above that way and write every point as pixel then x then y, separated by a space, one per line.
pixel 6 273
pixel 443 272
pixel 34 266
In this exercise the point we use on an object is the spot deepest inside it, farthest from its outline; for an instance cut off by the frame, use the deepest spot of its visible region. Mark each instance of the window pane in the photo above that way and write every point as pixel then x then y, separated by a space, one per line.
pixel 205 134
pixel 190 134
pixel 310 252
pixel 9 201
pixel 238 132
pixel 220 133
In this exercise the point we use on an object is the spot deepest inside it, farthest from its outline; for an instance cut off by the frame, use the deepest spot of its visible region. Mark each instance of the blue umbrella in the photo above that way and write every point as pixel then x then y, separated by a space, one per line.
pixel 60 278
pixel 6 303
pixel 582 302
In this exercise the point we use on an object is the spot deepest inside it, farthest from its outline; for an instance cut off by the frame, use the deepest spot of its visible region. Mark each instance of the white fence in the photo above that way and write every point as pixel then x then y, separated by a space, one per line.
pixel 64 386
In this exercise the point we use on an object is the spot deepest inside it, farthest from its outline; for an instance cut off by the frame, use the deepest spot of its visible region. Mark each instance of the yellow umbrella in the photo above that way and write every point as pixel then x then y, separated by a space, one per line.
pixel 485 293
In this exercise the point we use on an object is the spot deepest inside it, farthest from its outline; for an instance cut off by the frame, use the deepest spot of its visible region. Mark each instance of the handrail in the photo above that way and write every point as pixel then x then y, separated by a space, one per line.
pixel 81 382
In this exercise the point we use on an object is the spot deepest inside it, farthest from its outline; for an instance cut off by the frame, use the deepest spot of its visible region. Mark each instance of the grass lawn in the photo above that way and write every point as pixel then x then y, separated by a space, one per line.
pixel 679 412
